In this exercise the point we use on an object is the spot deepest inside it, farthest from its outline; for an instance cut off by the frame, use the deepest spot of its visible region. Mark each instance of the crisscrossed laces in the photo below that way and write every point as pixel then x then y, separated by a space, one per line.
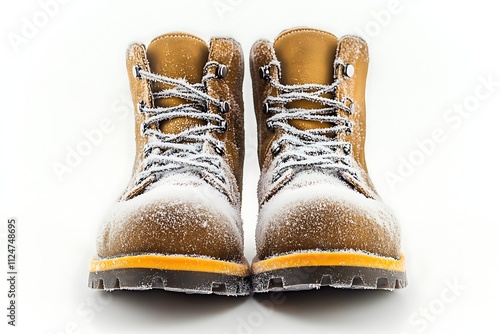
pixel 318 148
pixel 183 152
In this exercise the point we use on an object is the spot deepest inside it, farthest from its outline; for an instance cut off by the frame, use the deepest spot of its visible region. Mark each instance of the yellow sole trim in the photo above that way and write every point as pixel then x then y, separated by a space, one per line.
pixel 166 262
pixel 320 259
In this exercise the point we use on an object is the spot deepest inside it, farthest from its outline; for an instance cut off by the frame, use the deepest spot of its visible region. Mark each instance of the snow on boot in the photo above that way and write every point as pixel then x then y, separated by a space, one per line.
pixel 321 222
pixel 178 226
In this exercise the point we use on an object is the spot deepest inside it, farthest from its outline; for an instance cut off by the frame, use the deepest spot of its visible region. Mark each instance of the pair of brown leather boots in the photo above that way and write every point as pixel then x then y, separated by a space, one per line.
pixel 321 223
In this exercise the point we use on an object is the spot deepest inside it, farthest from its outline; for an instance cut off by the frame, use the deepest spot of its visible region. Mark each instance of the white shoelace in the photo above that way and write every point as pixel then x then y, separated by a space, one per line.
pixel 182 152
pixel 314 148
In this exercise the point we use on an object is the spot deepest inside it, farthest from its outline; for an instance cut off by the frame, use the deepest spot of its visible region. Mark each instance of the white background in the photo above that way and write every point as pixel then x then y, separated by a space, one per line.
pixel 427 57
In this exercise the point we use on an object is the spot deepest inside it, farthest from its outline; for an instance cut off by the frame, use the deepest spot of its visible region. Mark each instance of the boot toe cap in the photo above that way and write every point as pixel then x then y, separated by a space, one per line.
pixel 173 220
pixel 322 217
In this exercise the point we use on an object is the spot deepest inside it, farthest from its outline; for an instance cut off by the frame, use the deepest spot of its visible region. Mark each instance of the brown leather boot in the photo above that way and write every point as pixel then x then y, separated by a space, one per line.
pixel 321 222
pixel 178 226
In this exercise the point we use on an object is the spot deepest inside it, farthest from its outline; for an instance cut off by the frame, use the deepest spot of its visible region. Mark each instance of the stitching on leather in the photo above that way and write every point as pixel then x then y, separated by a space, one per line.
pixel 178 36
pixel 306 30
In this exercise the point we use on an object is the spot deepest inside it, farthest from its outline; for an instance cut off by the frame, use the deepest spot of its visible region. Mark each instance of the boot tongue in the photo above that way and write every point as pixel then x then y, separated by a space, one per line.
pixel 306 56
pixel 177 55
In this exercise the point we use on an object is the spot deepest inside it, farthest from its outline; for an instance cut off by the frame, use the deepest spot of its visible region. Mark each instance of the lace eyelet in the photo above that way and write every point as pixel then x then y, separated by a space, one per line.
pixel 275 148
pixel 136 71
pixel 219 150
pixel 223 126
pixel 265 108
pixel 221 71
pixel 140 106
pixel 347 148
pixel 349 103
pixel 265 73
pixel 348 70
pixel 143 129
pixel 224 107
pixel 269 126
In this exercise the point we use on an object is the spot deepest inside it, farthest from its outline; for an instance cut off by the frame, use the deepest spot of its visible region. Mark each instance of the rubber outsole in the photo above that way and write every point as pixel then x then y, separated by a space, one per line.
pixel 306 271
pixel 171 273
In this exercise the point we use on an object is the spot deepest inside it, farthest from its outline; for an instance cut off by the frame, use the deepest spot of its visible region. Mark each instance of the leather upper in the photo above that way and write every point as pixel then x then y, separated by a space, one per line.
pixel 182 214
pixel 311 210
